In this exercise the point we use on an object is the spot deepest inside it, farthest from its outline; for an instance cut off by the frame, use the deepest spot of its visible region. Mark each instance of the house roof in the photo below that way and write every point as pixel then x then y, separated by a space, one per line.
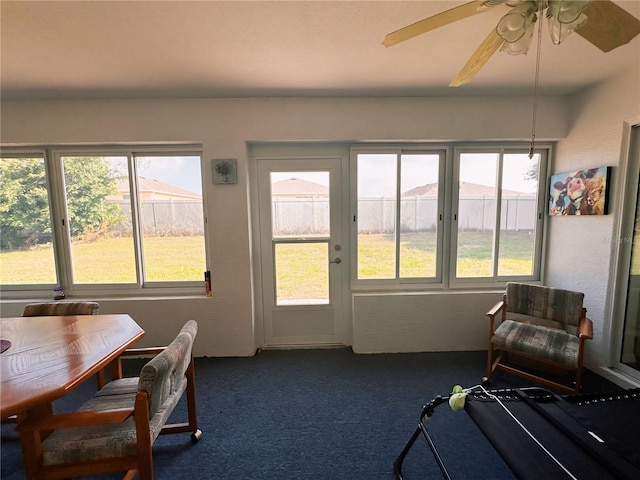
pixel 466 188
pixel 298 186
pixel 151 185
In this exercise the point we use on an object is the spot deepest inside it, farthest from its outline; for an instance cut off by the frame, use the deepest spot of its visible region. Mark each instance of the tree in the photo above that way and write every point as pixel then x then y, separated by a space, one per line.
pixel 24 199
pixel 88 181
pixel 24 204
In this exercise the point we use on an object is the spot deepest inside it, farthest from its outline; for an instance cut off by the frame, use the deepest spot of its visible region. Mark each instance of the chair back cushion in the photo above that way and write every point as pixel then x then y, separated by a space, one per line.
pixel 562 306
pixel 164 374
pixel 60 308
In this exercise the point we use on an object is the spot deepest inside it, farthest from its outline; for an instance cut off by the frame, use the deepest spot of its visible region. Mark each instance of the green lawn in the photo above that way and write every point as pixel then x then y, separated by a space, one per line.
pixel 301 269
pixel 418 256
pixel 635 254
pixel 301 272
pixel 109 260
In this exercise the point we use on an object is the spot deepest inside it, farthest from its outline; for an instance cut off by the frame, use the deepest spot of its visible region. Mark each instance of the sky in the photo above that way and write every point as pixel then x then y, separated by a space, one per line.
pixel 184 172
pixel 418 170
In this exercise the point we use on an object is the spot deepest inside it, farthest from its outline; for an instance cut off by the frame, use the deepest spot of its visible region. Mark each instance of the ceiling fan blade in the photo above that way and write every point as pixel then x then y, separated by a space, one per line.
pixel 609 26
pixel 441 19
pixel 487 48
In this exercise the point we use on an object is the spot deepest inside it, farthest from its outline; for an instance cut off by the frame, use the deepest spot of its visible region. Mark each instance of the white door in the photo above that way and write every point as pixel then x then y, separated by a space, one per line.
pixel 302 251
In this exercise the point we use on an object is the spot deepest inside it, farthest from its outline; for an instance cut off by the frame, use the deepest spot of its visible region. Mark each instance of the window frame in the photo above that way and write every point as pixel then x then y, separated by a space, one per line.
pixel 445 278
pixel 27 290
pixel 398 283
pixel 541 204
pixel 61 237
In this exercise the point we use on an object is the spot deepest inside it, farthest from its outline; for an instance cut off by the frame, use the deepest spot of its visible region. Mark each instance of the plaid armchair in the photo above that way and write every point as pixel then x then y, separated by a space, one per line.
pixel 539 325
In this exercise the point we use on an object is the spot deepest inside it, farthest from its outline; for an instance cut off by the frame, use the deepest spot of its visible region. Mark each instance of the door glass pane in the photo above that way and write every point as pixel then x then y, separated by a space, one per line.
pixel 418 215
pixel 99 219
pixel 302 273
pixel 300 204
pixel 476 214
pixel 300 209
pixel 631 335
pixel 26 242
pixel 518 214
pixel 171 218
pixel 377 190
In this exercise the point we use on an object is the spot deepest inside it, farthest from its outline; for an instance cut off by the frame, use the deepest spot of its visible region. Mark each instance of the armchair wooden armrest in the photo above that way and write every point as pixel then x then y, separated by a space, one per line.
pixel 76 419
pixel 585 328
pixel 496 309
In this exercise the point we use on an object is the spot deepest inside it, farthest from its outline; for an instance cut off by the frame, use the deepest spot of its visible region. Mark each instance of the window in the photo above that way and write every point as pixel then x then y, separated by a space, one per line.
pixel 498 214
pixel 99 227
pixel 414 223
pixel 26 247
pixel 122 220
pixel 399 215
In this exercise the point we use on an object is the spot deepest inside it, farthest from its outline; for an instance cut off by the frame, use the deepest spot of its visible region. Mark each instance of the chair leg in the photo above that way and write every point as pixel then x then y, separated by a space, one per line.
pixel 191 395
pixel 489 361
pixel 579 379
pixel 143 434
pixel 101 379
pixel 192 410
pixel 145 472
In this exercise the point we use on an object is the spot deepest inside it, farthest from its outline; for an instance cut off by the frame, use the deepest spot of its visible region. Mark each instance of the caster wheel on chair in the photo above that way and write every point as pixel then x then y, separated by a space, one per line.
pixel 195 436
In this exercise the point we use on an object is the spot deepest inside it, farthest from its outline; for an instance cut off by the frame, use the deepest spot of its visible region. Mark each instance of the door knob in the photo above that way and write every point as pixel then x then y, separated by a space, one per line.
pixel 337 260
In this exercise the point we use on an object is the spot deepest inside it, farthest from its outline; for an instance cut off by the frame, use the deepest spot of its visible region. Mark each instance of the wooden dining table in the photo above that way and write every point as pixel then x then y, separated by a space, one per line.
pixel 48 357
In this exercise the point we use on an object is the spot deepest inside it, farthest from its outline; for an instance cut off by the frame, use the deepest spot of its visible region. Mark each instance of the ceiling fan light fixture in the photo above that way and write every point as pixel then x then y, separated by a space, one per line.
pixel 567 11
pixel 516 28
pixel 602 23
pixel 565 16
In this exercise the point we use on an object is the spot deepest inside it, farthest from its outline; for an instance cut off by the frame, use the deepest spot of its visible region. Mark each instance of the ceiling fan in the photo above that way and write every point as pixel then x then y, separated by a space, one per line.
pixel 600 22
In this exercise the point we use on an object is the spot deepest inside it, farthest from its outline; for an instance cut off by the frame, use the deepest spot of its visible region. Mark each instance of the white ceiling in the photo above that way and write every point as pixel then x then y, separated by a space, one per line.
pixel 180 48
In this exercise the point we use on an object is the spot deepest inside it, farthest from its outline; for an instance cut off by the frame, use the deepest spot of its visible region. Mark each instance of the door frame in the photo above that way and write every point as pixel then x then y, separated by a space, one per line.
pixel 298 151
pixel 617 296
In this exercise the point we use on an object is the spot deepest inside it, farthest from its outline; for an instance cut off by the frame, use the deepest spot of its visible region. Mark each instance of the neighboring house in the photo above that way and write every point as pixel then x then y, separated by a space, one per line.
pixel 298 188
pixel 466 189
pixel 152 189
pixel 166 209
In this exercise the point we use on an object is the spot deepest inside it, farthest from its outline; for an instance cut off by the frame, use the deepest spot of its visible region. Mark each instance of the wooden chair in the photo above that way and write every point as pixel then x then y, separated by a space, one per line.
pixel 115 430
pixel 542 327
pixel 60 308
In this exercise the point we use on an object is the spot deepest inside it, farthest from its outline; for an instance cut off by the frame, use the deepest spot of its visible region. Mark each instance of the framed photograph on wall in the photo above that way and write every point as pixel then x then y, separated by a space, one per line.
pixel 583 192
pixel 225 171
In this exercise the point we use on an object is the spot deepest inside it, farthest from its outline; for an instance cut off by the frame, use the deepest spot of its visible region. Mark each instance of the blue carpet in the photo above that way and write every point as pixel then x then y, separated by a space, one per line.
pixel 317 414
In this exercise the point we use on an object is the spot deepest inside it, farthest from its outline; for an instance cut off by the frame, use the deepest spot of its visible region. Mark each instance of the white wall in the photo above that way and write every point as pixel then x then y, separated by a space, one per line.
pixel 224 126
pixel 421 322
pixel 580 248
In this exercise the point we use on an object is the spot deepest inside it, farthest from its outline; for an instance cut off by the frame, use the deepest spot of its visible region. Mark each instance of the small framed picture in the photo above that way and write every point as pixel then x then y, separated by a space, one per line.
pixel 225 171
pixel 583 192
